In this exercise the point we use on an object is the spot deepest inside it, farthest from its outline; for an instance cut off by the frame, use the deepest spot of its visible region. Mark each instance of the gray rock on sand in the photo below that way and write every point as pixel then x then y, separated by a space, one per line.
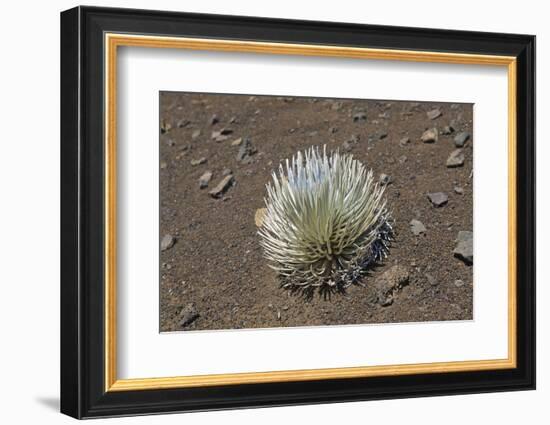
pixel 246 150
pixel 417 227
pixel 447 130
pixel 430 136
pixel 404 141
pixel 359 116
pixel 205 179
pixel 221 135
pixel 385 179
pixel 456 159
pixel 434 113
pixel 167 242
pixel 222 186
pixel 461 139
pixel 438 199
pixel 195 162
pixel 389 283
pixel 464 249
pixel 188 315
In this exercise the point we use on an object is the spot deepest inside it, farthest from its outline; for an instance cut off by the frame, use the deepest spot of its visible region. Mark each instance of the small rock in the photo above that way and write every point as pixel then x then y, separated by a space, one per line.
pixel 448 129
pixel 385 179
pixel 458 190
pixel 346 146
pixel 167 242
pixel 431 280
pixel 205 179
pixel 195 134
pixel 226 171
pixel 214 119
pixel 382 135
pixel 429 136
pixel 417 227
pixel 163 165
pixel 222 187
pixel 199 161
pixel 237 142
pixel 221 135
pixel 456 159
pixel 434 113
pixel 188 315
pixel 465 247
pixel 458 283
pixel 245 151
pixel 404 141
pixel 384 115
pixel 232 120
pixel 402 159
pixel 183 123
pixel 359 116
pixel 438 199
pixel 461 139
pixel 259 216
pixel 170 142
pixel 332 130
pixel 389 283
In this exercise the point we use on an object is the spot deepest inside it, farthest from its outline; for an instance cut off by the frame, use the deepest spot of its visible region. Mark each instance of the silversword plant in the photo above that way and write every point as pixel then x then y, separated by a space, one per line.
pixel 325 223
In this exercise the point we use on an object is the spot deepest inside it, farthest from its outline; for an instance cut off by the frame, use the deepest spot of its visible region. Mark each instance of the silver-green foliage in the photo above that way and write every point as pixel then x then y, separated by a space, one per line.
pixel 326 221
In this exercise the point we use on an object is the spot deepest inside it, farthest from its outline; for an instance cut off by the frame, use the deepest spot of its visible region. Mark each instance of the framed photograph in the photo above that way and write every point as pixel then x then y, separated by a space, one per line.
pixel 261 212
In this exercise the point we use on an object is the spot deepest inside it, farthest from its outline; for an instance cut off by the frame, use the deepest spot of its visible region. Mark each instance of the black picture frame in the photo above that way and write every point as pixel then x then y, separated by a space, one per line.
pixel 83 392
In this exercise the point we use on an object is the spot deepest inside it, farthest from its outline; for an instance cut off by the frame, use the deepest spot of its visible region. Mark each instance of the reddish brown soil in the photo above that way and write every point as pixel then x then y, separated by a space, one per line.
pixel 217 263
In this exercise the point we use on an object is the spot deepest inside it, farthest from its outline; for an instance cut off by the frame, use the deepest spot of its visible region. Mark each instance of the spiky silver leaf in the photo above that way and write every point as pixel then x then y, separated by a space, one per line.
pixel 326 221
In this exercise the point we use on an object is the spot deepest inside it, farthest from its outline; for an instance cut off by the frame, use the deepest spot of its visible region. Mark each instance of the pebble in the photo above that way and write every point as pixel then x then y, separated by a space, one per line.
pixel 205 179
pixel 402 159
pixel 163 165
pixel 389 283
pixel 438 199
pixel 429 136
pixel 222 186
pixel 221 135
pixel 382 135
pixel 434 113
pixel 195 134
pixel 464 249
pixel 214 119
pixel 461 139
pixel 237 142
pixel 431 280
pixel 417 227
pixel 458 283
pixel 385 179
pixel 459 190
pixel 359 116
pixel 183 123
pixel 456 159
pixel 447 130
pixel 246 150
pixel 188 315
pixel 170 142
pixel 167 242
pixel 404 141
pixel 199 161
pixel 226 171
pixel 259 216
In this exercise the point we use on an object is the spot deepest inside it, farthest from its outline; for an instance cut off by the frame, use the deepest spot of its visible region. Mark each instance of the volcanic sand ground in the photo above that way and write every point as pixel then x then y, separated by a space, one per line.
pixel 216 263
